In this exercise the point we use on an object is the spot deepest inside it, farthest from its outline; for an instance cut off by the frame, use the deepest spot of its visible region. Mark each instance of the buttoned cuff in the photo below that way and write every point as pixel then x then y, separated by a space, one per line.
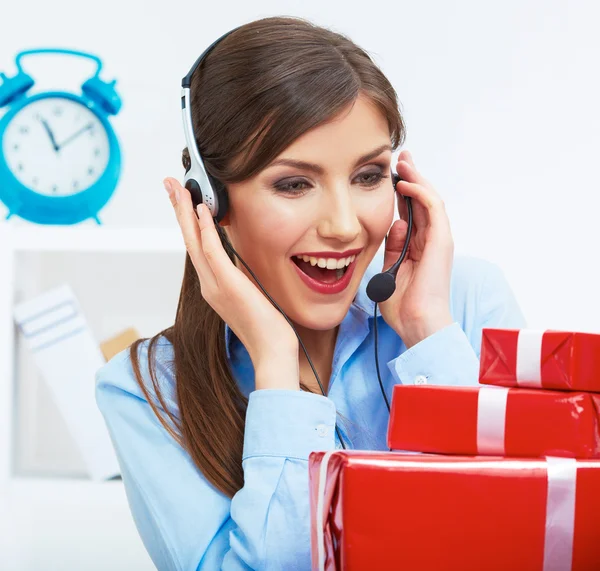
pixel 288 423
pixel 444 358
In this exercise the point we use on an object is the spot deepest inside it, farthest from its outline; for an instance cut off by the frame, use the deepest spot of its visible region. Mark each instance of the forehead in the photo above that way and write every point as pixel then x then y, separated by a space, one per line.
pixel 356 130
pixel 347 136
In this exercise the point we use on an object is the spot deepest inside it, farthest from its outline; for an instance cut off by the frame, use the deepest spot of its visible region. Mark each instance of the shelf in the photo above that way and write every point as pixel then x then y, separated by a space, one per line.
pixel 91 239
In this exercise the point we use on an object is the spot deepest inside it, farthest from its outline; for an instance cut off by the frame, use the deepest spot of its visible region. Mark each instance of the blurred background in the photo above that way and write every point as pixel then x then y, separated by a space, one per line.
pixel 501 106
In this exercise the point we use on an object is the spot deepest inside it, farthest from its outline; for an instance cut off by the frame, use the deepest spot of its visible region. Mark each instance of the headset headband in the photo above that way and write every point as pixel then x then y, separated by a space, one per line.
pixel 196 179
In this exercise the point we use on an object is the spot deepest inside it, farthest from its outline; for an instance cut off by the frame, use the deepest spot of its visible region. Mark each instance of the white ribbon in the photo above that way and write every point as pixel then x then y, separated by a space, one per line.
pixel 560 514
pixel 491 420
pixel 321 511
pixel 529 358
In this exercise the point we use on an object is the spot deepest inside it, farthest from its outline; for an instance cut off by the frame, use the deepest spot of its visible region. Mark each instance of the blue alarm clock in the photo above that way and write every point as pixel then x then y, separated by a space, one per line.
pixel 60 160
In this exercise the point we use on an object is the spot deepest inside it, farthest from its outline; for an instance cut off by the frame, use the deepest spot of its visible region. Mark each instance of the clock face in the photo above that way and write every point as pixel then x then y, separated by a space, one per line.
pixel 56 146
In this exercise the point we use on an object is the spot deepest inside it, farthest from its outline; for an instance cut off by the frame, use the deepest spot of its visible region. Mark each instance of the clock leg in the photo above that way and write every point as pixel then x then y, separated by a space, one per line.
pixel 95 217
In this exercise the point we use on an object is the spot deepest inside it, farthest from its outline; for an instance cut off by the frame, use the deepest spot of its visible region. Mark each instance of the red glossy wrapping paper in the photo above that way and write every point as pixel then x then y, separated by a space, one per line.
pixel 565 360
pixel 389 511
pixel 449 420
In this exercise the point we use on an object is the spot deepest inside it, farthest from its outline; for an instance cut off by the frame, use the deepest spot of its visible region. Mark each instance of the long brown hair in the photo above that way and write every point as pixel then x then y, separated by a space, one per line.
pixel 260 88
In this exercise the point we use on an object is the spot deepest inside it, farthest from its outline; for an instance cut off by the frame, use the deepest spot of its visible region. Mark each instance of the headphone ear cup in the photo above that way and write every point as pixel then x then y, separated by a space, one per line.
pixel 195 192
pixel 222 197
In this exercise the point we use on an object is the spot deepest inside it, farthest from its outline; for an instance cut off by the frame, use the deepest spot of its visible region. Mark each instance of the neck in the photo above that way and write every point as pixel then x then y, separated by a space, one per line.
pixel 320 346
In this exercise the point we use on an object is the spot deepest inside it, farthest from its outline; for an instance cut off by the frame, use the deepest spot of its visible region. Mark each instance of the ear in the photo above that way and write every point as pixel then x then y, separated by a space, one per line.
pixel 225 220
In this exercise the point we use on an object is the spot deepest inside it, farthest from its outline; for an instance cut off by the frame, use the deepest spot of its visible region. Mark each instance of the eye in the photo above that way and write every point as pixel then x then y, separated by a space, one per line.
pixel 294 186
pixel 297 187
pixel 372 178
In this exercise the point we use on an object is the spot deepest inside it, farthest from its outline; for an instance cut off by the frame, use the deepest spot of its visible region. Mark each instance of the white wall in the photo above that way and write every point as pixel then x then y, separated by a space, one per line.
pixel 500 100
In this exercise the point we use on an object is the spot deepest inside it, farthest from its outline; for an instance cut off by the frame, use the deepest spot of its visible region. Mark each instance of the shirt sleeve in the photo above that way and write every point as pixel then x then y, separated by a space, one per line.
pixel 451 355
pixel 184 522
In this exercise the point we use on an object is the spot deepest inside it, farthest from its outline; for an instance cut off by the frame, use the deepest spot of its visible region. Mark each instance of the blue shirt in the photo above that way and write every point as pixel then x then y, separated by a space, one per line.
pixel 186 524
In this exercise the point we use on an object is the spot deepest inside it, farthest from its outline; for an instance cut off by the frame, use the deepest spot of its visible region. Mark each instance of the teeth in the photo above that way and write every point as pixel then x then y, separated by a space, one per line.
pixel 329 263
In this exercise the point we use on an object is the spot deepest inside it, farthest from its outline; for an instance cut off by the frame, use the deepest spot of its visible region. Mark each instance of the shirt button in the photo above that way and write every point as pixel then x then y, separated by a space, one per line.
pixel 420 380
pixel 322 430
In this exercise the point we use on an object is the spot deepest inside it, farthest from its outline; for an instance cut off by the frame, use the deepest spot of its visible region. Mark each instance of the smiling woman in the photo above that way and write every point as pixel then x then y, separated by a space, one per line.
pixel 322 201
pixel 214 418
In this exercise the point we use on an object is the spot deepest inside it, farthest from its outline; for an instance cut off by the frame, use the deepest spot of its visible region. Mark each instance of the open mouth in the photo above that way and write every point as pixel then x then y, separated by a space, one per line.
pixel 322 269
pixel 325 275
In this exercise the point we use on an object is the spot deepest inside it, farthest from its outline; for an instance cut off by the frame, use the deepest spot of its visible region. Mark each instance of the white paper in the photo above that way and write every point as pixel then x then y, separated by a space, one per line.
pixel 61 342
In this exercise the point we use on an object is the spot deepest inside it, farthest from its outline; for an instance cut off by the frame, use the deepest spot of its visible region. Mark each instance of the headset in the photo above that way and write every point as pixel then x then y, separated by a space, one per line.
pixel 205 188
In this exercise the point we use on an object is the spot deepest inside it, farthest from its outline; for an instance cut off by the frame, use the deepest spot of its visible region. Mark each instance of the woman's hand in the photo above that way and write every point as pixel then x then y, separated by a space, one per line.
pixel 420 306
pixel 268 337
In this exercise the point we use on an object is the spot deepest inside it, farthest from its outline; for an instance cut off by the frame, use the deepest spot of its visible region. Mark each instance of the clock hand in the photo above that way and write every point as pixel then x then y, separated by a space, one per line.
pixel 50 134
pixel 75 135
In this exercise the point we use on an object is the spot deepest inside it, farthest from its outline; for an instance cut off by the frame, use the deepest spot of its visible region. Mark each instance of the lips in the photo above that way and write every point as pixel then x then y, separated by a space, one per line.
pixel 322 280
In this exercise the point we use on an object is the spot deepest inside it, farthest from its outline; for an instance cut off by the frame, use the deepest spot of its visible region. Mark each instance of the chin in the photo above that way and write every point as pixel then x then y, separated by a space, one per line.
pixel 318 311
pixel 319 318
pixel 321 314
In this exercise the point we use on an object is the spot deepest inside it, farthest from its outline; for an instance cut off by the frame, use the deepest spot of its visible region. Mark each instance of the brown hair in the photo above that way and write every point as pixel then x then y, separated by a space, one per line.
pixel 258 90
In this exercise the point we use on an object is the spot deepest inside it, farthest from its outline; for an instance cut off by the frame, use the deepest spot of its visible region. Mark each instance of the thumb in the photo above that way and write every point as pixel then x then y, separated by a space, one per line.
pixel 395 243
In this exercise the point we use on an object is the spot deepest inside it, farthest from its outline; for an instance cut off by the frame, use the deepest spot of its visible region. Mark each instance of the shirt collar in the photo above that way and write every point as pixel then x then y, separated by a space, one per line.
pixel 361 300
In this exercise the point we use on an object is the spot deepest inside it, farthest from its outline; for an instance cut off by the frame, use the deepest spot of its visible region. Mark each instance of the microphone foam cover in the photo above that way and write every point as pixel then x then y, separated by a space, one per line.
pixel 381 287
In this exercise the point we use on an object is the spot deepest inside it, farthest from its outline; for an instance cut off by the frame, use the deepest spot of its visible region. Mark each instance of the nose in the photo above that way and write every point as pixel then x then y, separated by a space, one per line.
pixel 339 220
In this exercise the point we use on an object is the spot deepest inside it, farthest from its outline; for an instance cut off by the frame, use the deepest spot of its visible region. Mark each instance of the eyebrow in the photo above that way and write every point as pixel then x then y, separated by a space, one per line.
pixel 318 169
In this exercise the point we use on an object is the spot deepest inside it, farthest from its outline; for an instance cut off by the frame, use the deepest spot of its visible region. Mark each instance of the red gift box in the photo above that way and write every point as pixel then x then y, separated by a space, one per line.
pixel 540 359
pixel 383 511
pixel 494 421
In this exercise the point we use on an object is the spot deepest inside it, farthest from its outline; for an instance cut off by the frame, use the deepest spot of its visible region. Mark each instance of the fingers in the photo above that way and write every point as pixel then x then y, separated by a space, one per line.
pixel 395 242
pixel 428 208
pixel 190 229
pixel 423 194
pixel 415 185
pixel 402 207
pixel 406 156
pixel 212 248
pixel 408 172
pixel 215 268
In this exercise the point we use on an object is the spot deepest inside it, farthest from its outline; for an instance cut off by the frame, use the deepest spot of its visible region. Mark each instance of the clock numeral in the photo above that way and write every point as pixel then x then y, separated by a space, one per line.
pixel 57 111
pixel 15 147
pixel 54 188
pixel 20 167
pixel 91 170
pixel 75 184
pixel 23 130
pixel 34 180
pixel 96 152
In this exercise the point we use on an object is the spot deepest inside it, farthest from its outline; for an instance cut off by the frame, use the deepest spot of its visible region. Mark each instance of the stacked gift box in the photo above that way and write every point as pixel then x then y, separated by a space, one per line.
pixel 502 476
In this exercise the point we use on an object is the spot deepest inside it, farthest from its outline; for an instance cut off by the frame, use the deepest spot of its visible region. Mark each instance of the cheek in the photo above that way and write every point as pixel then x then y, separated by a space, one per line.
pixel 264 231
pixel 377 215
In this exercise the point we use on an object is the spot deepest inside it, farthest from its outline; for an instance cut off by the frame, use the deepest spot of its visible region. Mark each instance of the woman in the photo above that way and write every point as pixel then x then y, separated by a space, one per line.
pixel 214 418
